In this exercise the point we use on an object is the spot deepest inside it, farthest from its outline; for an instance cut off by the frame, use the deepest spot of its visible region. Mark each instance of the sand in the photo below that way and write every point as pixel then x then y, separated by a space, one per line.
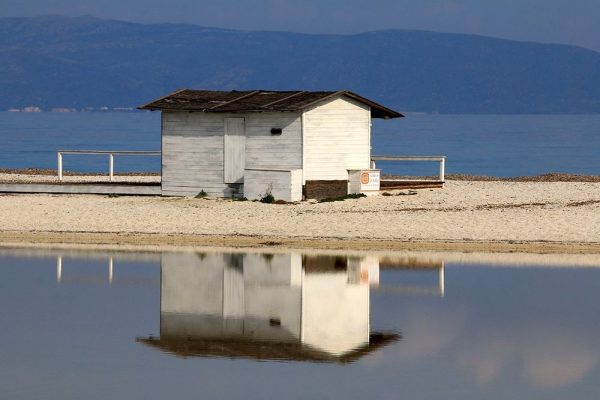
pixel 465 215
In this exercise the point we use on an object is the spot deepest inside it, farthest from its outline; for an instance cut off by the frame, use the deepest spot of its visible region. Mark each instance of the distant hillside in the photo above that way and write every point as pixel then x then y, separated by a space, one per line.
pixel 57 61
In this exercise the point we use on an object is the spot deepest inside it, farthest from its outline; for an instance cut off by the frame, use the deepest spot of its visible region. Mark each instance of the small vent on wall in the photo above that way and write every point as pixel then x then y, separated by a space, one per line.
pixel 276 131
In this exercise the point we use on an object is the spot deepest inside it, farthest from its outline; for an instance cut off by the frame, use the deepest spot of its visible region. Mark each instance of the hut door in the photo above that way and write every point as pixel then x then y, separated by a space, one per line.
pixel 234 150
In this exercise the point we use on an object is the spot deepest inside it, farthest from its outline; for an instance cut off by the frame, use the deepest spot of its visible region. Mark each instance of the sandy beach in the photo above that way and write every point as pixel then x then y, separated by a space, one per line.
pixel 465 215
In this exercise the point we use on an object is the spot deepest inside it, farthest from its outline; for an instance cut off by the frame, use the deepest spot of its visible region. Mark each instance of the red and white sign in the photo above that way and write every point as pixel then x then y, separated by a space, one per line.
pixel 369 180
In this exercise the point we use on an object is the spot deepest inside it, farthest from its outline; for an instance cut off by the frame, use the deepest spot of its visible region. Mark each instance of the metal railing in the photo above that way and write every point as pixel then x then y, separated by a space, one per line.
pixel 111 158
pixel 59 269
pixel 440 159
pixel 439 290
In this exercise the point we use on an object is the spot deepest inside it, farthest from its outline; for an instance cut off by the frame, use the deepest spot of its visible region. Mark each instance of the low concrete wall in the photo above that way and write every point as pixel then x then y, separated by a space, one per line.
pixel 81 188
pixel 282 184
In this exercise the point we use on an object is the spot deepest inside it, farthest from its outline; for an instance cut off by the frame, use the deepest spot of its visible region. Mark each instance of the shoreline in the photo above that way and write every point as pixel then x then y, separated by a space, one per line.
pixel 464 216
pixel 133 240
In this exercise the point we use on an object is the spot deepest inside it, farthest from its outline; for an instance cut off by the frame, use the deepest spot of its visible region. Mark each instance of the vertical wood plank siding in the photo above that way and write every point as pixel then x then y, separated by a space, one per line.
pixel 192 145
pixel 234 154
pixel 336 139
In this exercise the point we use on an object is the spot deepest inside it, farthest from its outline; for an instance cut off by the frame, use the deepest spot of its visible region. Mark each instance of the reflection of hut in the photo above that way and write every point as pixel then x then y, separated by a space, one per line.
pixel 265 307
pixel 415 264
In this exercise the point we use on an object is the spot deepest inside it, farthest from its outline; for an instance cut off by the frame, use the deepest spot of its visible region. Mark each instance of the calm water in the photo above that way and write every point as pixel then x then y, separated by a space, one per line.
pixel 294 326
pixel 501 145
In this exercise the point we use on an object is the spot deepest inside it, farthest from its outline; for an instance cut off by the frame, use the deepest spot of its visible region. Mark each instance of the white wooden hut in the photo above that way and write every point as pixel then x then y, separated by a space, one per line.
pixel 292 144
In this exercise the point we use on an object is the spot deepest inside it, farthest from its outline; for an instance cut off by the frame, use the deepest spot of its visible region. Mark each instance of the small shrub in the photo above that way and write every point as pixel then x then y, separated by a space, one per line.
pixel 240 199
pixel 268 197
pixel 201 195
pixel 386 194
pixel 354 196
pixel 342 198
pixel 113 195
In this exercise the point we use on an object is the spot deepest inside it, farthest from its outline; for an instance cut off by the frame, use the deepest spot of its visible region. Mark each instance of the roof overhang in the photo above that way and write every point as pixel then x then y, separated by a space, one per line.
pixel 257 101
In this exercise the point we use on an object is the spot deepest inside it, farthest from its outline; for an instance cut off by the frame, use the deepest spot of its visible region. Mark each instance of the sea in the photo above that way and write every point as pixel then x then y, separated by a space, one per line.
pixel 495 145
pixel 83 324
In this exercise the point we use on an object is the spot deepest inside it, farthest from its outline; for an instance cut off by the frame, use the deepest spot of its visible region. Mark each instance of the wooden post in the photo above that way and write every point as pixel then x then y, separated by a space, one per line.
pixel 111 166
pixel 60 167
pixel 442 169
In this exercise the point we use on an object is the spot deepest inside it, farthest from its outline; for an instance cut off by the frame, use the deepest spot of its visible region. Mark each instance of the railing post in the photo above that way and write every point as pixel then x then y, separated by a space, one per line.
pixel 110 270
pixel 442 169
pixel 111 166
pixel 442 280
pixel 58 269
pixel 60 168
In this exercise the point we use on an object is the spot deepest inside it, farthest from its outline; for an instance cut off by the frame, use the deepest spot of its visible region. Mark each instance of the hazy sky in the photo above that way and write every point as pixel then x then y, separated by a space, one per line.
pixel 561 21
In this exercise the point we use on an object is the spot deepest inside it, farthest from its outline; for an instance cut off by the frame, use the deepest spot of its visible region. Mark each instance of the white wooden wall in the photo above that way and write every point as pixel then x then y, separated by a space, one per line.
pixel 335 312
pixel 336 139
pixel 234 155
pixel 283 184
pixel 204 297
pixel 192 148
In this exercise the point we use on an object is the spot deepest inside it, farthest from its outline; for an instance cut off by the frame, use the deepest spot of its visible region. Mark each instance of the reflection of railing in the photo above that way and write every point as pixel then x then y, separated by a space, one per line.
pixel 111 158
pixel 440 290
pixel 440 159
pixel 59 269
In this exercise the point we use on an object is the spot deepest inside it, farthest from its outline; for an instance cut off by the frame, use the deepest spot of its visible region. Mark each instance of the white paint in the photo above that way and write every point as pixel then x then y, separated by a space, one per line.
pixel 440 159
pixel 233 292
pixel 370 264
pixel 335 313
pixel 193 148
pixel 111 167
pixel 442 281
pixel 364 181
pixel 336 139
pixel 111 154
pixel 59 269
pixel 443 169
pixel 282 184
pixel 60 166
pixel 234 150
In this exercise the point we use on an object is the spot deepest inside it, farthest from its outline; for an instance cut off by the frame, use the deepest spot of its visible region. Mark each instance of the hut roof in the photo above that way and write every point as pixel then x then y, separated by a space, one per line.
pixel 264 350
pixel 256 101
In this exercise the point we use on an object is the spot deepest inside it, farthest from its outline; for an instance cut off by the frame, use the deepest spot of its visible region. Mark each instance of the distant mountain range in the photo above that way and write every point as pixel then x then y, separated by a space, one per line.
pixel 55 61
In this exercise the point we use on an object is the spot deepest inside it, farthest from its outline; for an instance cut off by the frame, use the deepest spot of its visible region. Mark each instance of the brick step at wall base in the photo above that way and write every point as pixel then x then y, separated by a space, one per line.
pixel 325 189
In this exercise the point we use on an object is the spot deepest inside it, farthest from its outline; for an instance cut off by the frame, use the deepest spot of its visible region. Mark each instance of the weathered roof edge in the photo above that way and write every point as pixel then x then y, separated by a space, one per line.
pixel 391 113
pixel 377 110
pixel 265 349
pixel 145 106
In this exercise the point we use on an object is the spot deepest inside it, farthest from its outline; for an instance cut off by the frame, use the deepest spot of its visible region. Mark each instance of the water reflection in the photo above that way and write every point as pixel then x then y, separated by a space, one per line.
pixel 501 326
pixel 268 307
